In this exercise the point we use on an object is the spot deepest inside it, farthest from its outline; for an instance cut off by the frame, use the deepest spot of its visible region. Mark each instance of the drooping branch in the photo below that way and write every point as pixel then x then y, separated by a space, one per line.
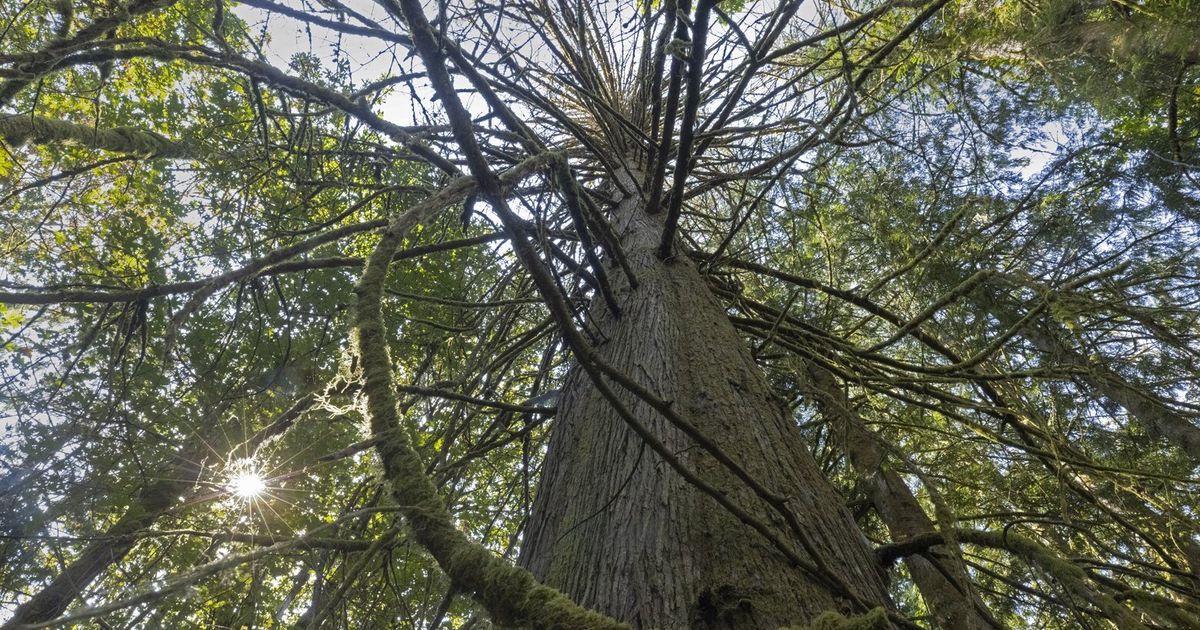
pixel 1056 454
pixel 55 295
pixel 154 500
pixel 1158 418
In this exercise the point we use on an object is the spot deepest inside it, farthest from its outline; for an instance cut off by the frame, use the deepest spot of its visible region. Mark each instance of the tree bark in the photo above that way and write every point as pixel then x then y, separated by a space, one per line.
pixel 619 531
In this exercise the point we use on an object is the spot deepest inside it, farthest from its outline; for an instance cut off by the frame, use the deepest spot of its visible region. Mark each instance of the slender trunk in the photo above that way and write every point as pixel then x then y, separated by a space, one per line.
pixel 149 504
pixel 1156 418
pixel 155 499
pixel 939 575
pixel 617 530
pixel 1141 404
pixel 22 520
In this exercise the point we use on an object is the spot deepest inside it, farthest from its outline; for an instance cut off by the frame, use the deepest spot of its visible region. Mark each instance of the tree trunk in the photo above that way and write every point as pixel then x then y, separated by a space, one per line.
pixel 1158 420
pixel 116 541
pixel 944 586
pixel 1143 406
pixel 617 530
pixel 148 505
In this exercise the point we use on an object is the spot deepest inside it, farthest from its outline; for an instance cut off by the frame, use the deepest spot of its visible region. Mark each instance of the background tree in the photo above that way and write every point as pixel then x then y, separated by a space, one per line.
pixel 725 315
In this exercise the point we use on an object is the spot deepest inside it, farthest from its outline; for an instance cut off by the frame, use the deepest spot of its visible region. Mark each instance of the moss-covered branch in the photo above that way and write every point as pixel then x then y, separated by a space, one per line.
pixel 19 129
pixel 48 57
pixel 876 619
pixel 510 594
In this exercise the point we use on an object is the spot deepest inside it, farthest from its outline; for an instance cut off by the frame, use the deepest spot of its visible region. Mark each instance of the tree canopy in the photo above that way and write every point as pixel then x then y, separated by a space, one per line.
pixel 289 291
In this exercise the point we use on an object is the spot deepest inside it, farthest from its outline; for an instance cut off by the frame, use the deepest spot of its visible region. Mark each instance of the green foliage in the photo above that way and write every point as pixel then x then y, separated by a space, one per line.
pixel 181 232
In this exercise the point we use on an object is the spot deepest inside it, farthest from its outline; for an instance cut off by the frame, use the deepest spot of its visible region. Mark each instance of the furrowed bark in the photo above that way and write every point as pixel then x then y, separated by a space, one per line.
pixel 610 519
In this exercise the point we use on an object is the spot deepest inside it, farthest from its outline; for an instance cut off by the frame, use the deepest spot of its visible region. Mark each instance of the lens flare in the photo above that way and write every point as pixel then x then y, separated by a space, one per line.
pixel 246 482
pixel 247 485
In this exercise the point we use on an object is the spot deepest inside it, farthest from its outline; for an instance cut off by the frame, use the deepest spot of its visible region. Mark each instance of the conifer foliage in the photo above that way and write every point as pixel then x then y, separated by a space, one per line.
pixel 632 314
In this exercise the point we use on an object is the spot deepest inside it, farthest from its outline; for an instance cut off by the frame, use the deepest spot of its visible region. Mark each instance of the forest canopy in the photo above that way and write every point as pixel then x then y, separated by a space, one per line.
pixel 620 314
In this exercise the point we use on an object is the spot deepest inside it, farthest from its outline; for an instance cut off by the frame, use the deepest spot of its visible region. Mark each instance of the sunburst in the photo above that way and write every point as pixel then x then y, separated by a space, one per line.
pixel 245 481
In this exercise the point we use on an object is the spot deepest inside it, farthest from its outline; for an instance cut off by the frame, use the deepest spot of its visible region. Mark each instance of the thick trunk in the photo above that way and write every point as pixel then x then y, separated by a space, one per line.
pixel 617 530
pixel 944 586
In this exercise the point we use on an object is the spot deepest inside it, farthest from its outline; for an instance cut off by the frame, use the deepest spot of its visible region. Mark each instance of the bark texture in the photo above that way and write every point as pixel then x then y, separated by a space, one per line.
pixel 619 531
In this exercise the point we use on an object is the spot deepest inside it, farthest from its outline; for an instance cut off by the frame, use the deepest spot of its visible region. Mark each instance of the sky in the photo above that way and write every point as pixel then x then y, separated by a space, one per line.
pixel 368 59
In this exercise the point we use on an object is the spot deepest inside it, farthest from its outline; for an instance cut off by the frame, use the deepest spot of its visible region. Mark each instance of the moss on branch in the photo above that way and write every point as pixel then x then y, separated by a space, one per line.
pixel 510 594
pixel 876 619
pixel 19 129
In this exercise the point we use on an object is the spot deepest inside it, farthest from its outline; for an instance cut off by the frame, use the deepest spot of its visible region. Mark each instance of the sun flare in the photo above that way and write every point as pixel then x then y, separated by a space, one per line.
pixel 246 482
pixel 247 485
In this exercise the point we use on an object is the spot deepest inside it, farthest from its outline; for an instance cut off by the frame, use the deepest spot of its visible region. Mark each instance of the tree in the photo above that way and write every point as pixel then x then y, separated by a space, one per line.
pixel 554 315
